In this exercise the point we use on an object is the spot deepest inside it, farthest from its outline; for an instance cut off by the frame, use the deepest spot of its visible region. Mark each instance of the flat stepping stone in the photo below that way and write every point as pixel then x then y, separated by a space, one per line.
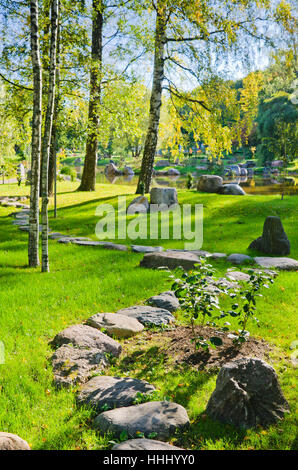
pixel 144 444
pixel 161 417
pixel 238 258
pixel 170 259
pixel 117 325
pixel 238 276
pixel 21 215
pixel 114 246
pixel 218 255
pixel 202 253
pixel 148 315
pixel 72 366
pixel 21 221
pixel 146 249
pixel 56 235
pixel 86 243
pixel 112 392
pixel 70 239
pixel 10 441
pixel 85 336
pixel 285 264
pixel 166 300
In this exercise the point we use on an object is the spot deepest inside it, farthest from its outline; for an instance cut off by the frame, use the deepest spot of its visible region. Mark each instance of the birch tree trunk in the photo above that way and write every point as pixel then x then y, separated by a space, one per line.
pixel 89 171
pixel 33 243
pixel 155 105
pixel 47 134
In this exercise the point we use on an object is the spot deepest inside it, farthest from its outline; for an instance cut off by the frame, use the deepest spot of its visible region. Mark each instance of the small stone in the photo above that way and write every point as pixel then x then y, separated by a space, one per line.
pixel 218 255
pixel 166 300
pixel 117 325
pixel 161 417
pixel 144 444
pixel 148 315
pixel 85 336
pixel 112 392
pixel 238 276
pixel 284 264
pixel 247 394
pixel 73 366
pixel 12 442
pixel 237 258
pixel 146 249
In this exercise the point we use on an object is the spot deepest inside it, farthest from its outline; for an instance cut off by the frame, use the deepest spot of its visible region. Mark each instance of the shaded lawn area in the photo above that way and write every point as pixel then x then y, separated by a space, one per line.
pixel 84 281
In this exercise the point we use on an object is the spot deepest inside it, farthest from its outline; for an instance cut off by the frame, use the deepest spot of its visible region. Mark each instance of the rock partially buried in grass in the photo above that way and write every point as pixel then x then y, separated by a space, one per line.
pixel 285 264
pixel 112 392
pixel 148 315
pixel 273 240
pixel 166 300
pixel 85 336
pixel 144 444
pixel 232 190
pixel 161 417
pixel 117 325
pixel 238 258
pixel 12 442
pixel 73 366
pixel 247 394
pixel 170 259
pixel 146 249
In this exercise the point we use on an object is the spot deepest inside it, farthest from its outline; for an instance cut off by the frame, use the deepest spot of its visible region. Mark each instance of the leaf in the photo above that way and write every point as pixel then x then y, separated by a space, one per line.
pixel 216 341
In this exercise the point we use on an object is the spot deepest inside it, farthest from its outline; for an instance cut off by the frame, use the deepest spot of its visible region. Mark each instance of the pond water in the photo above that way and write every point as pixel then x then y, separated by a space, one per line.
pixel 255 185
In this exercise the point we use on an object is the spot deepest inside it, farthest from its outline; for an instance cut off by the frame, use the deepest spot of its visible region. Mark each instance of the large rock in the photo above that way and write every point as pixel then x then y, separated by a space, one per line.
pixel 128 171
pixel 73 366
pixel 165 196
pixel 170 259
pixel 274 240
pixel 85 336
pixel 161 417
pixel 112 170
pixel 12 442
pixel 139 204
pixel 144 444
pixel 247 394
pixel 231 189
pixel 112 392
pixel 209 183
pixel 148 315
pixel 166 300
pixel 117 325
pixel 238 258
pixel 285 264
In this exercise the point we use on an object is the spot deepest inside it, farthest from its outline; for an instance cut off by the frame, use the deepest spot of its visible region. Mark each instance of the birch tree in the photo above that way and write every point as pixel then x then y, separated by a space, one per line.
pixel 48 132
pixel 33 244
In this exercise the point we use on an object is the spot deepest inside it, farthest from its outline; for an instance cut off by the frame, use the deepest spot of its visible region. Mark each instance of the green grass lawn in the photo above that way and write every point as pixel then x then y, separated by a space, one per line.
pixel 84 281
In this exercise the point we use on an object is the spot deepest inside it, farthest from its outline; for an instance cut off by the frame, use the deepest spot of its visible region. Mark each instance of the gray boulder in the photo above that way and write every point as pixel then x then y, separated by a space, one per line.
pixel 73 366
pixel 166 196
pixel 247 394
pixel 117 325
pixel 112 392
pixel 232 189
pixel 85 336
pixel 139 204
pixel 161 417
pixel 274 240
pixel 148 315
pixel 209 183
pixel 12 442
pixel 146 249
pixel 237 276
pixel 166 300
pixel 144 444
pixel 170 259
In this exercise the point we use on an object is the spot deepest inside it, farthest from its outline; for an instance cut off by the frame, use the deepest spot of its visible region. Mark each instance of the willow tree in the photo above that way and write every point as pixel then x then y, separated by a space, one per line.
pixel 33 245
pixel 188 36
pixel 48 132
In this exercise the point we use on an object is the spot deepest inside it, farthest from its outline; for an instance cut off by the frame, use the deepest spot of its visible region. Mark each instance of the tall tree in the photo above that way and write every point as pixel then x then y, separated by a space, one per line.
pixel 33 244
pixel 89 172
pixel 48 132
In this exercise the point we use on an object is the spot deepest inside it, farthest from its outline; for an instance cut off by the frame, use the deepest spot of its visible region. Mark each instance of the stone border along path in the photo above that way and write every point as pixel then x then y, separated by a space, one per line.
pixel 83 351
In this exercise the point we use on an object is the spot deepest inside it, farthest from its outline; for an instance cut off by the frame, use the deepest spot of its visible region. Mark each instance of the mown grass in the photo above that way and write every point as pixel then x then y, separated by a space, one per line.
pixel 83 281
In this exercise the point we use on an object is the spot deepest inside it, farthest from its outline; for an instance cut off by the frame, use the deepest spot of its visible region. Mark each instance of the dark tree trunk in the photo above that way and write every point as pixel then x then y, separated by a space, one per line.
pixel 89 171
pixel 155 105
pixel 33 243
